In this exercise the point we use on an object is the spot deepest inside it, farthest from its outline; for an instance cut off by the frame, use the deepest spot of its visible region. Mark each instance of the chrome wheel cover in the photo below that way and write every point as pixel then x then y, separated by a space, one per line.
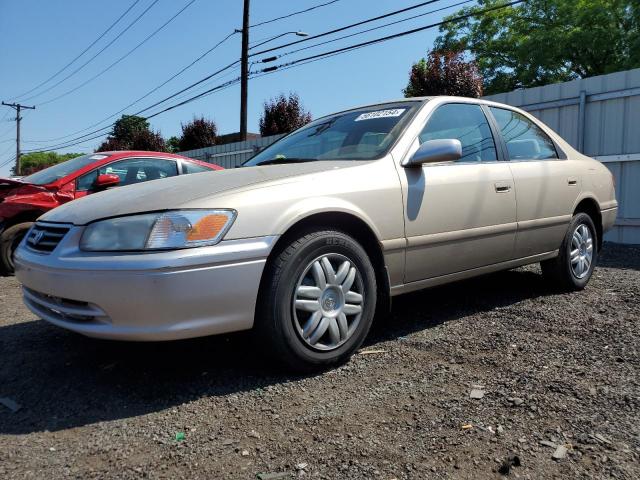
pixel 328 302
pixel 581 254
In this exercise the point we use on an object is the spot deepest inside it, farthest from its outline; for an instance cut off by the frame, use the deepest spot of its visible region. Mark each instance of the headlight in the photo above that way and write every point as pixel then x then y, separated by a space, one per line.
pixel 158 231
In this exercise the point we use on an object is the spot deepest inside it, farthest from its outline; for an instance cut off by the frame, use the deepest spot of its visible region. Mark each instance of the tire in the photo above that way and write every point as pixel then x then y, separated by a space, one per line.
pixel 9 240
pixel 572 272
pixel 301 332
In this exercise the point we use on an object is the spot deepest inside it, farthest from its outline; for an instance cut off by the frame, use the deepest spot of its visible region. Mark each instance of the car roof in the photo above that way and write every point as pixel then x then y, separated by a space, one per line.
pixel 110 156
pixel 128 153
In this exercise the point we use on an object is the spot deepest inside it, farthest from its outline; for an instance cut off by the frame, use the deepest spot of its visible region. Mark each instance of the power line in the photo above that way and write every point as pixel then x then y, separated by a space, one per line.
pixel 173 77
pixel 191 2
pixel 81 53
pixel 370 29
pixel 11 160
pixel 292 14
pixel 180 72
pixel 98 53
pixel 346 27
pixel 189 100
pixel 391 37
pixel 278 67
pixel 217 72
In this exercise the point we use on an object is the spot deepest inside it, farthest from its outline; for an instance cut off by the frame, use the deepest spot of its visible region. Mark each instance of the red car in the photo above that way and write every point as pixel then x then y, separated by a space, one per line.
pixel 22 201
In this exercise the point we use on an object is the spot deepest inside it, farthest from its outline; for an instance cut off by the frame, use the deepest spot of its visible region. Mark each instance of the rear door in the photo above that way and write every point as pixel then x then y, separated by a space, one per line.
pixel 546 184
pixel 458 215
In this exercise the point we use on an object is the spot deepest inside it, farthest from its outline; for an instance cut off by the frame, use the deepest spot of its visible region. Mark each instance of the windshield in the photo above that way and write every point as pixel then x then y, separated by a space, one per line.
pixel 61 170
pixel 362 134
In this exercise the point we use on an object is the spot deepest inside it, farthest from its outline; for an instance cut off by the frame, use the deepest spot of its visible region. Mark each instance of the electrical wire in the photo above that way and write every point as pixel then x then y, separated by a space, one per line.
pixel 285 66
pixel 181 71
pixel 227 67
pixel 81 53
pixel 13 159
pixel 308 60
pixel 392 37
pixel 371 29
pixel 174 76
pixel 131 24
pixel 292 14
pixel 346 27
pixel 191 2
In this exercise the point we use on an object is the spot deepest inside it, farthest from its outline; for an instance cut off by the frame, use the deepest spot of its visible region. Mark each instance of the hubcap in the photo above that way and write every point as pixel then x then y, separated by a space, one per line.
pixel 328 302
pixel 581 251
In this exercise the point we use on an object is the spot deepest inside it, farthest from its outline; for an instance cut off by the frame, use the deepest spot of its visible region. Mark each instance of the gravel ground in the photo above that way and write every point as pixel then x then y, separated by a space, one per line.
pixel 558 374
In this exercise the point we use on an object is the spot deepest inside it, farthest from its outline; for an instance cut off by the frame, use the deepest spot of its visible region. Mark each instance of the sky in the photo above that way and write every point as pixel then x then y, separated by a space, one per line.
pixel 39 37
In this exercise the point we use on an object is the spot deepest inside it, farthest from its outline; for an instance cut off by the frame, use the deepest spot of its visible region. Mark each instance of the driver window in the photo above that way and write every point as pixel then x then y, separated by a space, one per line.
pixel 131 171
pixel 464 122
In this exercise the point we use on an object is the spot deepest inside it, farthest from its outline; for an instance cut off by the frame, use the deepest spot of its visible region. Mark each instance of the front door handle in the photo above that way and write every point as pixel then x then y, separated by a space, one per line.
pixel 502 187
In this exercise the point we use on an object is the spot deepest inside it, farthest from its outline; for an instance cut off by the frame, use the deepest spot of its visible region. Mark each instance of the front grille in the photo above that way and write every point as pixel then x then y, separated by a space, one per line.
pixel 45 238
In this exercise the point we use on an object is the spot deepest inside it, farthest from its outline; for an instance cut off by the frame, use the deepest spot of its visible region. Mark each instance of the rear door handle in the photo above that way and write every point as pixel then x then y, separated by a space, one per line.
pixel 572 181
pixel 502 187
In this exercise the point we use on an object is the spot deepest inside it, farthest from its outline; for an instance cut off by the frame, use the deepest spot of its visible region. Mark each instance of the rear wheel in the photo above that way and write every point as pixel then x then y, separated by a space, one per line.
pixel 9 240
pixel 317 301
pixel 573 267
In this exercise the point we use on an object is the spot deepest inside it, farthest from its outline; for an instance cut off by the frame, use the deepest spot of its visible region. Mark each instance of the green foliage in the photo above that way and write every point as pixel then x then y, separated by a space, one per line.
pixel 283 115
pixel 35 161
pixel 545 41
pixel 131 132
pixel 127 126
pixel 173 144
pixel 444 73
pixel 198 133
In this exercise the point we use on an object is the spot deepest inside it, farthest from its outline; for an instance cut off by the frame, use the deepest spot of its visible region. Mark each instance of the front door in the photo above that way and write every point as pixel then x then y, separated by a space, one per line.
pixel 459 215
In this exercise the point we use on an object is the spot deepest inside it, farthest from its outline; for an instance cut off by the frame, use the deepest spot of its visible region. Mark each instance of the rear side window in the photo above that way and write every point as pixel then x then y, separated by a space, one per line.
pixel 189 167
pixel 464 122
pixel 524 139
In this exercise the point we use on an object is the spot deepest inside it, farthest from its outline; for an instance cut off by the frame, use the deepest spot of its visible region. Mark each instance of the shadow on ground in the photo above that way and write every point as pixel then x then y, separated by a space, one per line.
pixel 63 380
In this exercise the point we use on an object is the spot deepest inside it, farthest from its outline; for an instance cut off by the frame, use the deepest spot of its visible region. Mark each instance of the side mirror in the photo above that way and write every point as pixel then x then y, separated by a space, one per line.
pixel 106 180
pixel 433 151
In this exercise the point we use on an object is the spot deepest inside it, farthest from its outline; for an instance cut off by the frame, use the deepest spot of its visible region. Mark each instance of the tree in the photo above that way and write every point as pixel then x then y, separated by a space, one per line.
pixel 283 115
pixel 127 126
pixel 35 161
pixel 444 73
pixel 198 133
pixel 545 41
pixel 173 144
pixel 148 140
pixel 131 132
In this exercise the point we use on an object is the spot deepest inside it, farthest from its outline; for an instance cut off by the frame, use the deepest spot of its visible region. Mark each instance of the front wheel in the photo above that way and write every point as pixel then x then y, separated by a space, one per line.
pixel 9 241
pixel 317 300
pixel 573 267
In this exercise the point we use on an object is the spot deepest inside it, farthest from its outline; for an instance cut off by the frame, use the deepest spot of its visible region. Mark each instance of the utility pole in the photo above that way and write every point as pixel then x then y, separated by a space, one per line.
pixel 17 107
pixel 244 71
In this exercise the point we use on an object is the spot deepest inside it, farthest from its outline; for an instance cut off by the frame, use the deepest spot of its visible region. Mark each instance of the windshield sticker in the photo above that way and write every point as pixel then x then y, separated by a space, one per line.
pixel 396 112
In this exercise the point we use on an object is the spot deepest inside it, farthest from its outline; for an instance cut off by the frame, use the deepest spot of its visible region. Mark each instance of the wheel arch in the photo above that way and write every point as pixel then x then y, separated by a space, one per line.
pixel 354 226
pixel 590 206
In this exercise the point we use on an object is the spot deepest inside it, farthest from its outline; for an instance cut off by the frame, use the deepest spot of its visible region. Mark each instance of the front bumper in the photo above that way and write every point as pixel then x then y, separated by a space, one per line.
pixel 608 218
pixel 150 296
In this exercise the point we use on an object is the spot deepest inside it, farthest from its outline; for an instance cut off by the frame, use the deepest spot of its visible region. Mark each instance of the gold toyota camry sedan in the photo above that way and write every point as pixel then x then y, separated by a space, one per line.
pixel 316 232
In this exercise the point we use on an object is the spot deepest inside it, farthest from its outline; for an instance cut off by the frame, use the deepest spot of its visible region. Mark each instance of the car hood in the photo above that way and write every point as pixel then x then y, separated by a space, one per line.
pixel 172 193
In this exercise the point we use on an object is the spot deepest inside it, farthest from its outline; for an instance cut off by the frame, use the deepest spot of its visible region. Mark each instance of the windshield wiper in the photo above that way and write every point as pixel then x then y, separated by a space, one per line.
pixel 276 161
